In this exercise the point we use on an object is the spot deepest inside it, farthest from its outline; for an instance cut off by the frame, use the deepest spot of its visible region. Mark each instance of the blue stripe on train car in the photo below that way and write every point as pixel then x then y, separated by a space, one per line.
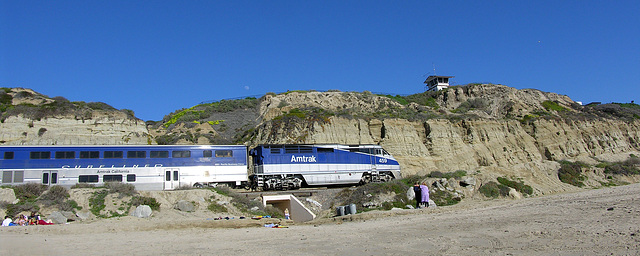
pixel 21 157
pixel 311 154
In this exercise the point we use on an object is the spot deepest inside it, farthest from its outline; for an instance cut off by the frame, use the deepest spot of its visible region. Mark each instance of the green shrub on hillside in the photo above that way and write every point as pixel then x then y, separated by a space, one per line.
pixel 240 201
pixel 215 207
pixel 400 99
pixel 471 104
pixel 29 191
pixel 123 189
pixel 96 202
pixel 552 105
pixel 571 173
pixel 55 194
pixel 493 189
pixel 518 186
pixel 448 175
pixel 627 167
pixel 145 200
pixel 443 197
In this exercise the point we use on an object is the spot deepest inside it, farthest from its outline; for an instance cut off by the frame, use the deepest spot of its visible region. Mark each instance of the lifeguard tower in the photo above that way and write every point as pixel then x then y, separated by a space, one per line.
pixel 437 83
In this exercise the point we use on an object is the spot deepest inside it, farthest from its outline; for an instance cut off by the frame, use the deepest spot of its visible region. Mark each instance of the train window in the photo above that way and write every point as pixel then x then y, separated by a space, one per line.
pixel 65 155
pixel 159 154
pixel 274 150
pixel 87 178
pixel 207 153
pixel 306 149
pixel 112 178
pixel 131 177
pixel 113 154
pixel 181 154
pixel 54 177
pixel 325 150
pixel 175 175
pixel 18 176
pixel 7 176
pixel 89 154
pixel 136 154
pixel 290 149
pixel 45 178
pixel 167 176
pixel 8 155
pixel 224 153
pixel 40 155
pixel 366 150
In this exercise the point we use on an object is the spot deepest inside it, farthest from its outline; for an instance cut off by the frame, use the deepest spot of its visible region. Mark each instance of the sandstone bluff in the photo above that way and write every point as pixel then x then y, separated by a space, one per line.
pixel 487 130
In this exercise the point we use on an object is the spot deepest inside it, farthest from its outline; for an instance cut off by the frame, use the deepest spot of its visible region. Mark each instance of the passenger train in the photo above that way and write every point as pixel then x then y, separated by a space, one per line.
pixel 159 167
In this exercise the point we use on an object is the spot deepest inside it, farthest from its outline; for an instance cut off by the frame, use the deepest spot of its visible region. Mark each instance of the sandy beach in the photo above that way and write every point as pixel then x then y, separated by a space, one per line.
pixel 591 222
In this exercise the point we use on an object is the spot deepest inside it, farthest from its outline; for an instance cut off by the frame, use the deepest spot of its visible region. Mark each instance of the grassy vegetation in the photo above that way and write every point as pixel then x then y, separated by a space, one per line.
pixel 443 197
pixel 552 105
pixel 32 195
pixel 493 189
pixel 628 105
pixel 215 207
pixel 145 200
pixel 400 99
pixel 27 194
pixel 627 167
pixel 123 189
pixel 200 113
pixel 242 202
pixel 447 175
pixel 472 104
pixel 517 185
pixel 96 202
pixel 571 173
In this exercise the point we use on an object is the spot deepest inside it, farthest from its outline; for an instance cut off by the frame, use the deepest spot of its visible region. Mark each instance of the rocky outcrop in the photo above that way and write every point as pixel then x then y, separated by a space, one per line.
pixel 30 118
pixel 501 147
pixel 102 129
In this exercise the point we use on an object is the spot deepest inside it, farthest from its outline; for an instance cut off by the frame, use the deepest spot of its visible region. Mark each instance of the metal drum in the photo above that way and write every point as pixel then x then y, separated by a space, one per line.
pixel 352 209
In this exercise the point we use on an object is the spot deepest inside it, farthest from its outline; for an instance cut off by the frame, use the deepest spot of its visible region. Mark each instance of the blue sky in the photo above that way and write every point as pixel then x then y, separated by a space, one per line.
pixel 155 57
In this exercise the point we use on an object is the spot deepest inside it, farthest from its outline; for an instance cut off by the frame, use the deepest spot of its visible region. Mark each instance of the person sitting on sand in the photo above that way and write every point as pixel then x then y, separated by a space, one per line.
pixel 7 221
pixel 21 221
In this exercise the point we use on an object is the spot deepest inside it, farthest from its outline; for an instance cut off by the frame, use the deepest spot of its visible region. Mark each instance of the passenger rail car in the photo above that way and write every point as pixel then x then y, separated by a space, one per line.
pixel 146 167
pixel 294 166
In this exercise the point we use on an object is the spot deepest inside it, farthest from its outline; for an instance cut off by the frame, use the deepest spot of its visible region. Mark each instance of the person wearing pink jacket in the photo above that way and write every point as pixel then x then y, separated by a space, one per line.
pixel 424 190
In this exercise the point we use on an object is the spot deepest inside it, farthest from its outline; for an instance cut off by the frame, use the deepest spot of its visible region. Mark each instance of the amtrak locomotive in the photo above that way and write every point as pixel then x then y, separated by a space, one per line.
pixel 169 167
pixel 293 166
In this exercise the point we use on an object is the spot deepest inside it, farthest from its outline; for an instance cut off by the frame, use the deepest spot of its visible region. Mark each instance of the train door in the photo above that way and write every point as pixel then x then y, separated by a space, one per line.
pixel 374 160
pixel 49 178
pixel 171 178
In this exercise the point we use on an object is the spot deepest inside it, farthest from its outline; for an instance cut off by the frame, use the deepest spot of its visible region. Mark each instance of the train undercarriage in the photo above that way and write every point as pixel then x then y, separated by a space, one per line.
pixel 296 181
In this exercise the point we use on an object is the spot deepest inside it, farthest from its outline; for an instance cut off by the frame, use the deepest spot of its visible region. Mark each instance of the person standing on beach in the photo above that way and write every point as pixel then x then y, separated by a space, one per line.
pixel 424 194
pixel 417 191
